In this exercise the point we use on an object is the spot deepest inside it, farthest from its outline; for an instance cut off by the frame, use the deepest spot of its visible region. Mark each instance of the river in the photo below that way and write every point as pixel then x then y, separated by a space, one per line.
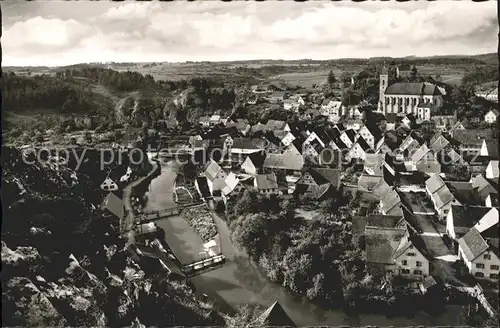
pixel 240 282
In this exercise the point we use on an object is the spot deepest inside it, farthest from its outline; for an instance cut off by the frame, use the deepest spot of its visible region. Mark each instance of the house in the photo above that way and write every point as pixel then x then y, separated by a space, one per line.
pixel 489 93
pixel 293 103
pixel 113 209
pixel 402 98
pixel 273 125
pixel 348 137
pixel 215 178
pixel 245 146
pixel 444 122
pixel 492 116
pixel 388 144
pixel 332 109
pixel 354 124
pixel 445 194
pixel 274 316
pixel 232 187
pixel 390 203
pixel 456 128
pixel 411 142
pixel 286 137
pixel 358 150
pixel 409 121
pixel 201 186
pixel 392 250
pixel 214 120
pixel 424 160
pixel 318 183
pixel 109 185
pixel 360 223
pixel 489 148
pixel 492 200
pixel 380 245
pixel 374 164
pixel 370 134
pixel 482 187
pixel 291 165
pixel 353 112
pixel 267 184
pixel 492 171
pixel 377 185
pixel 204 121
pixel 241 127
pixel 480 255
pixel 461 219
pixel 391 121
pixel 471 140
pixel 253 163
pixel 276 97
pixel 403 71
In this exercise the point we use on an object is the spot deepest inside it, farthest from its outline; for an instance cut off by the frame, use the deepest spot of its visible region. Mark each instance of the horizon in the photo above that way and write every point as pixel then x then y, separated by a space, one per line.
pixel 408 57
pixel 132 32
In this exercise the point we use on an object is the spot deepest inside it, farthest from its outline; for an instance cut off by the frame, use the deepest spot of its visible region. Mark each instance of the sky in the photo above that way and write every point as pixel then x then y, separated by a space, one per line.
pixel 54 33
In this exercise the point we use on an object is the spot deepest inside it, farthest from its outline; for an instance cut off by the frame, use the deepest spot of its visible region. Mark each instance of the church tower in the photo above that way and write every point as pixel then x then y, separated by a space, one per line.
pixel 384 83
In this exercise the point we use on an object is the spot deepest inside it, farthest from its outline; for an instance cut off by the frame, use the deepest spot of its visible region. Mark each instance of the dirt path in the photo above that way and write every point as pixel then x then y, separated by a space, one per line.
pixel 126 226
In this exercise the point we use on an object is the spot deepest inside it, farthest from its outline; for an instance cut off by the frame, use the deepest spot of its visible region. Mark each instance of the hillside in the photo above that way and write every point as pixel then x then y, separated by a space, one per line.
pixel 62 265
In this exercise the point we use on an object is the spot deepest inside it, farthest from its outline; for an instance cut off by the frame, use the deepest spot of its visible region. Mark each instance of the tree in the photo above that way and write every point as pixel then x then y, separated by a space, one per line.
pixel 414 73
pixel 331 78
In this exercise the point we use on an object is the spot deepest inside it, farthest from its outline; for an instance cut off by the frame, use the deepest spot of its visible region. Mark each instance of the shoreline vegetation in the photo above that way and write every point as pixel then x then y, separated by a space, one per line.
pixel 200 219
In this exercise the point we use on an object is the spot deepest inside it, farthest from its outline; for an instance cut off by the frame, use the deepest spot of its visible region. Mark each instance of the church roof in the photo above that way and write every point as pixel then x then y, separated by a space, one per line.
pixel 413 88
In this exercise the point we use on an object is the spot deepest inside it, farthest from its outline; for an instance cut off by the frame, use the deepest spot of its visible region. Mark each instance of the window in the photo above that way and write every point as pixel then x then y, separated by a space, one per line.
pixel 419 264
pixel 479 266
pixel 404 262
pixel 494 276
pixel 417 272
pixel 494 267
pixel 405 271
pixel 412 254
pixel 487 256
pixel 479 274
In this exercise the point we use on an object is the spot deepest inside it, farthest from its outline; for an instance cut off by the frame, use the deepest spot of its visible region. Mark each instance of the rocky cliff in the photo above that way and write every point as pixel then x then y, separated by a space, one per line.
pixel 62 265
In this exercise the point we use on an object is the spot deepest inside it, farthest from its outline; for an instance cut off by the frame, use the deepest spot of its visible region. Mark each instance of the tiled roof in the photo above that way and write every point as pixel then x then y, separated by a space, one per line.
pixel 473 244
pixel 231 182
pixel 362 143
pixel 266 181
pixel 494 167
pixel 492 148
pixel 257 159
pixel 114 204
pixel 390 201
pixel 484 186
pixel 368 182
pixel 351 134
pixel 284 162
pixel 412 89
pixel 420 153
pixel 474 136
pixel 381 243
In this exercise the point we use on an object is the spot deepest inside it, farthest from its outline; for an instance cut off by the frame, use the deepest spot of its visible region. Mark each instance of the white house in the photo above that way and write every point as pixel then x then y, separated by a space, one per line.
pixel 267 184
pixel 479 256
pixel 348 137
pixel 215 178
pixel 332 109
pixel 370 136
pixel 461 219
pixel 492 116
pixel 215 119
pixel 358 150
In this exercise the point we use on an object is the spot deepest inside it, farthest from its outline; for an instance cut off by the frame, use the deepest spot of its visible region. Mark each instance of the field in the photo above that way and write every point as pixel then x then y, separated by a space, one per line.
pixel 304 79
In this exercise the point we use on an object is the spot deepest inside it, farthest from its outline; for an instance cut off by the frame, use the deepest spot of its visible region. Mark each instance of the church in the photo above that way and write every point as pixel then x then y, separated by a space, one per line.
pixel 421 99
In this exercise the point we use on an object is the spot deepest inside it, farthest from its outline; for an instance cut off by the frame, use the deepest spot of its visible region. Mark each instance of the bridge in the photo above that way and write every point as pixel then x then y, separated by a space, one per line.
pixel 192 254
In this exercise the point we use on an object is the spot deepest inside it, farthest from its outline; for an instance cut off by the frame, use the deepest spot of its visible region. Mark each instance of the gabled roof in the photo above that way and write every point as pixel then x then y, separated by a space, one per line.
pixel 275 125
pixel 391 118
pixel 494 111
pixel 249 144
pixel 464 192
pixel 231 182
pixel 113 204
pixel 381 243
pixel 257 159
pixel 266 181
pixel 374 161
pixel 467 216
pixel 419 154
pixel 484 186
pixel 492 147
pixel 434 183
pixel 494 167
pixel 284 162
pixel 377 220
pixel 351 134
pixel 368 182
pixel 474 136
pixel 473 244
pixel 390 201
pixel 212 170
pixel 325 175
pixel 413 88
pixel 275 316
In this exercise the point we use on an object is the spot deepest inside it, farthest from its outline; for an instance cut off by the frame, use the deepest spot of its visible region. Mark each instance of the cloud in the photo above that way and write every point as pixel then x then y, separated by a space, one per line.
pixel 154 31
